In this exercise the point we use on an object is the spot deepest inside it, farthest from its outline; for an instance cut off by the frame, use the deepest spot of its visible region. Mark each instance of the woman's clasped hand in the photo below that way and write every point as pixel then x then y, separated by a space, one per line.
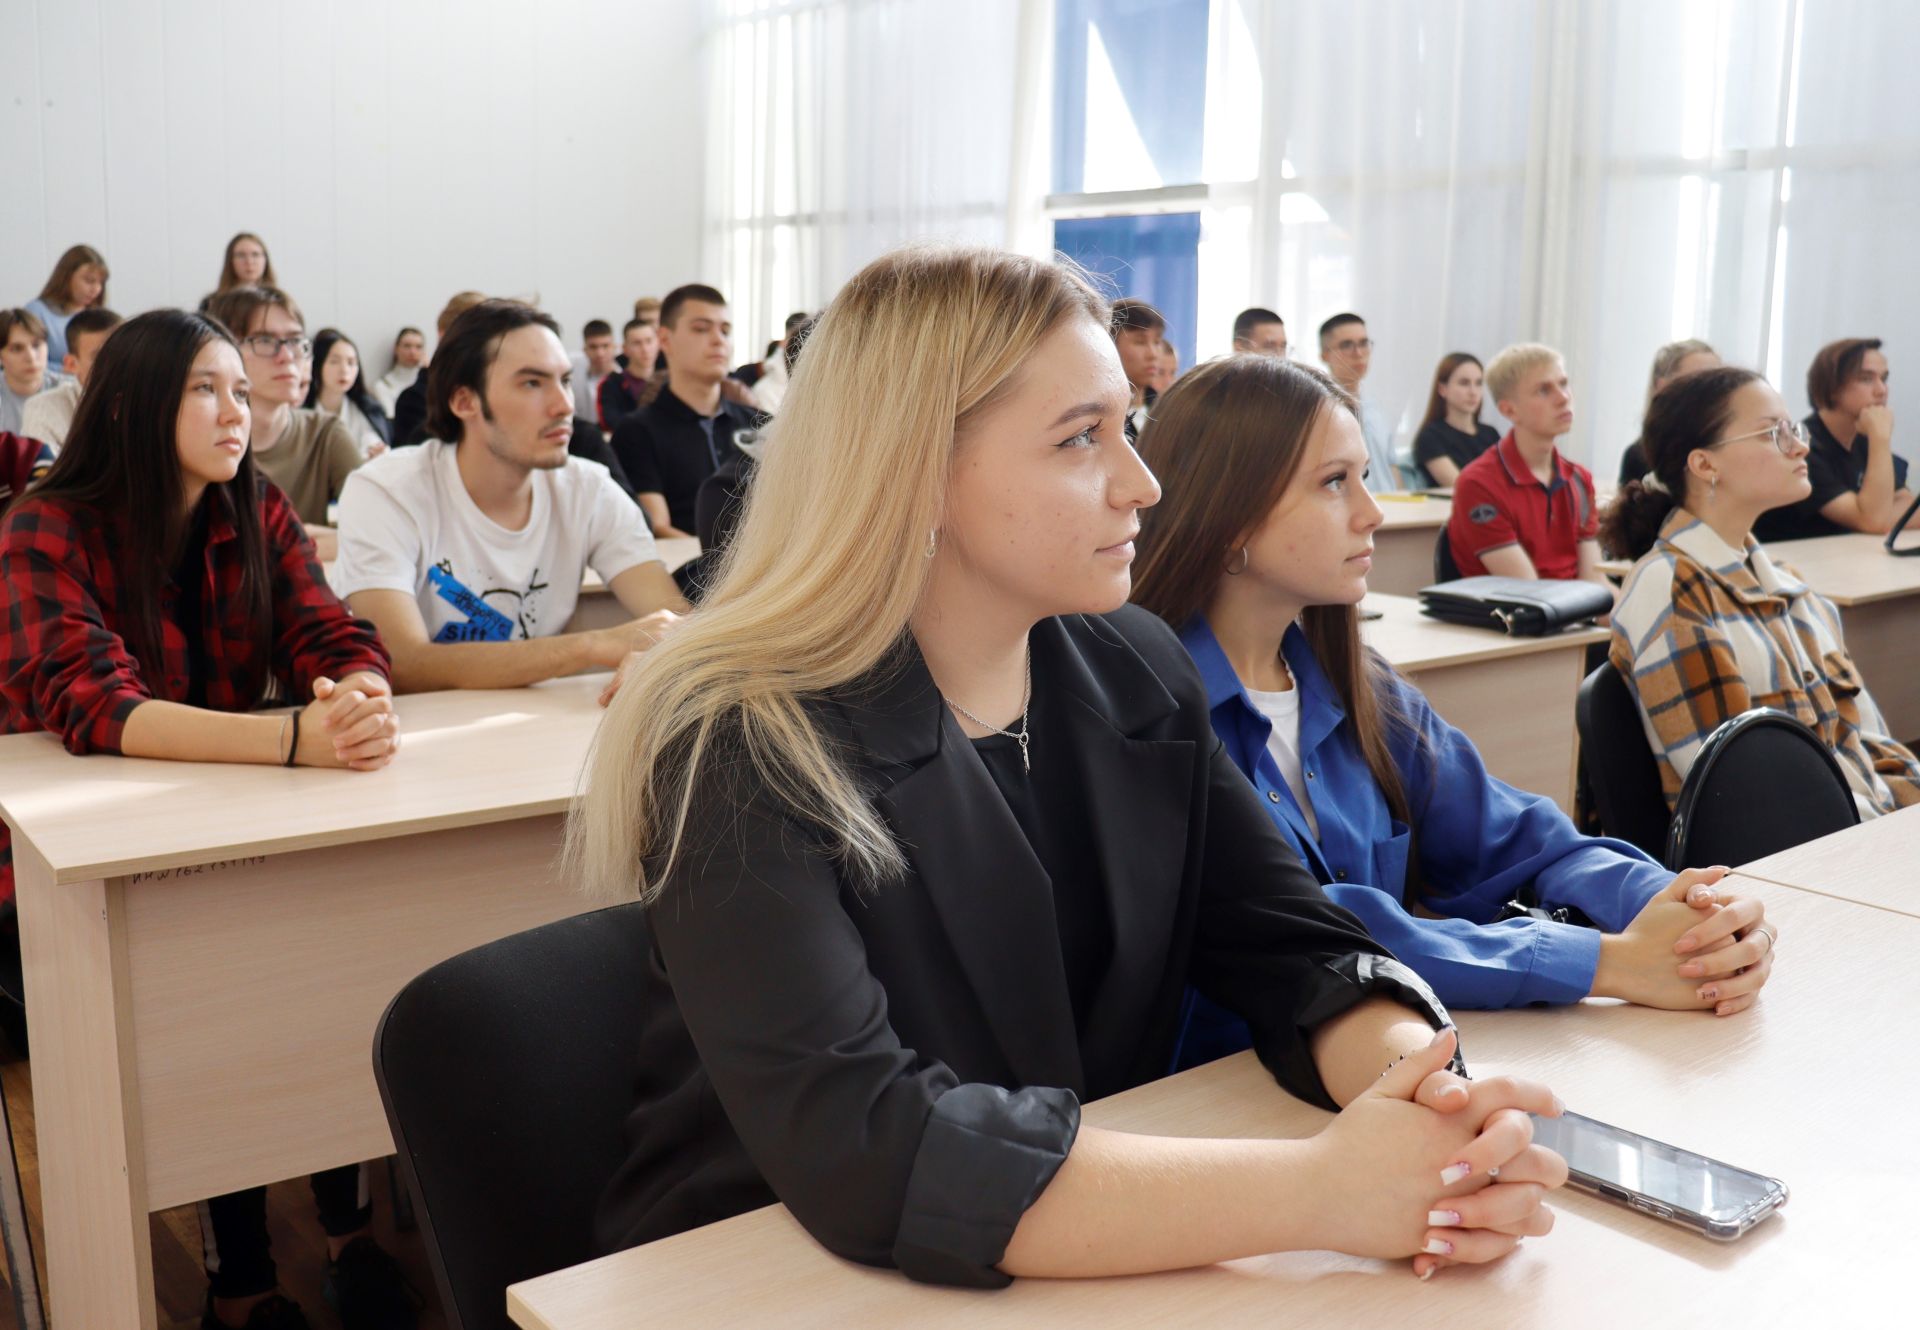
pixel 1431 1165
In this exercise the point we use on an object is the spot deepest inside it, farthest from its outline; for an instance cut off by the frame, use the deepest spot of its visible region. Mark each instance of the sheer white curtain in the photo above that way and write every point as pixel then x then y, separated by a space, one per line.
pixel 1602 175
pixel 841 128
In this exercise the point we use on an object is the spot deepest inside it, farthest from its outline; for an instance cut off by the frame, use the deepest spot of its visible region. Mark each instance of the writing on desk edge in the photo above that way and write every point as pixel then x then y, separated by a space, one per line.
pixel 190 870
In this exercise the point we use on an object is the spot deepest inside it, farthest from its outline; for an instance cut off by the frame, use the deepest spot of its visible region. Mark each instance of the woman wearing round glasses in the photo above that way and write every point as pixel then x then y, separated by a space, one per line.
pixel 1709 626
pixel 307 453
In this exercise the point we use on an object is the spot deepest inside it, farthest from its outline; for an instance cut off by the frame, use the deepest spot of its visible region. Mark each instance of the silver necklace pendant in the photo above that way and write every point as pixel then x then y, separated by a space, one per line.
pixel 1026 705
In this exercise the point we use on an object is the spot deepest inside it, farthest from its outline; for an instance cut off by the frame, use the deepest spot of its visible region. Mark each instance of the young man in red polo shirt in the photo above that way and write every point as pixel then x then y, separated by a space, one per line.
pixel 1521 509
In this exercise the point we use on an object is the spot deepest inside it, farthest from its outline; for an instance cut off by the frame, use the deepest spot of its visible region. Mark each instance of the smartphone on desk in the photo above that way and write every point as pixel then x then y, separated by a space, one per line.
pixel 1658 1179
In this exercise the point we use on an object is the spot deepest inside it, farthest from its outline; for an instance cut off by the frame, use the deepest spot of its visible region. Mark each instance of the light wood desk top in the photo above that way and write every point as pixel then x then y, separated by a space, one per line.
pixel 1849 569
pixel 1853 569
pixel 1876 863
pixel 1411 640
pixel 1419 511
pixel 1796 1088
pixel 673 553
pixel 467 758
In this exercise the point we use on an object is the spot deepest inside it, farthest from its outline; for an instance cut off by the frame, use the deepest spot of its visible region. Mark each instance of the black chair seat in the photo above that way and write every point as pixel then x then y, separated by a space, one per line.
pixel 1762 782
pixel 507 1073
pixel 1622 773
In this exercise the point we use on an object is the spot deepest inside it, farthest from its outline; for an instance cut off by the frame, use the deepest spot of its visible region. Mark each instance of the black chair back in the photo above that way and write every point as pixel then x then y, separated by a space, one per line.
pixel 507 1072
pixel 1621 770
pixel 1444 568
pixel 1762 782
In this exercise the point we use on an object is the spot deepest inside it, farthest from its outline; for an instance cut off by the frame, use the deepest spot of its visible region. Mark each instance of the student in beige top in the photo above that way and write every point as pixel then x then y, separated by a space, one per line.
pixel 305 453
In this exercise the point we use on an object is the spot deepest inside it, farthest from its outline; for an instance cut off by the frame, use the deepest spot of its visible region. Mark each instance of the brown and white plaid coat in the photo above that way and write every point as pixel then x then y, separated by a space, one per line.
pixel 1705 632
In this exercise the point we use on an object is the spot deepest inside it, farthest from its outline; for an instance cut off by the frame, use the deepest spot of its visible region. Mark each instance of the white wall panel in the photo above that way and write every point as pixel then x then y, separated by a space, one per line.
pixel 390 153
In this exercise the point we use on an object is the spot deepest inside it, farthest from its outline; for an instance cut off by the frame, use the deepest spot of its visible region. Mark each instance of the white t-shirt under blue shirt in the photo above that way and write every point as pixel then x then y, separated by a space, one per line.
pixel 408 524
pixel 1283 709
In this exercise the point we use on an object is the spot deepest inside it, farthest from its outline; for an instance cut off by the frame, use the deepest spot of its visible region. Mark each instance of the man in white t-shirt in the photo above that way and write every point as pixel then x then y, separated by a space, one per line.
pixel 467 552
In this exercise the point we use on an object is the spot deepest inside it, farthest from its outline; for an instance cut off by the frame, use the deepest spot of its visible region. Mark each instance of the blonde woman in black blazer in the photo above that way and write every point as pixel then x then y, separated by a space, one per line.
pixel 935 830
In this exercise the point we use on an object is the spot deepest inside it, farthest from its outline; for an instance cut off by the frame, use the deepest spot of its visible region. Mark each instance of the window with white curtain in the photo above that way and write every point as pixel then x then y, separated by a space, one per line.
pixel 1603 175
pixel 842 128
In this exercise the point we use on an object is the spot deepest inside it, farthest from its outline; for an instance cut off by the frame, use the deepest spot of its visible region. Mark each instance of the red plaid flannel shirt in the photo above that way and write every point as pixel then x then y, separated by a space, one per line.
pixel 64 667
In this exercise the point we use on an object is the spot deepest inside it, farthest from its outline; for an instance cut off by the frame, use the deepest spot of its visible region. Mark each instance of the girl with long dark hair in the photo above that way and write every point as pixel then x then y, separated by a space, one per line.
pixel 339 390
pixel 157 592
pixel 1452 433
pixel 1258 556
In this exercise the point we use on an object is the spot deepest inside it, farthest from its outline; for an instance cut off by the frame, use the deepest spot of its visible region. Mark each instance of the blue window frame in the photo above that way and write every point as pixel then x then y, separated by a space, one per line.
pixel 1155 257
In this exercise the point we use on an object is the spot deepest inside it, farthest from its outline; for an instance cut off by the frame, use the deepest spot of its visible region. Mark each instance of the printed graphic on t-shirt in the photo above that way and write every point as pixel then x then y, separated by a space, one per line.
pixel 485 622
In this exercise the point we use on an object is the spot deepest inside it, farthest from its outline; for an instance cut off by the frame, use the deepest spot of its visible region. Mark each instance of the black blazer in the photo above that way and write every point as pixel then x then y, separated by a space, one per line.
pixel 900 1065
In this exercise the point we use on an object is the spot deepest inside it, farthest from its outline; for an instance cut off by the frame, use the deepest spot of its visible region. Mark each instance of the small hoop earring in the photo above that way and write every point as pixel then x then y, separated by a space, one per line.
pixel 933 541
pixel 1244 559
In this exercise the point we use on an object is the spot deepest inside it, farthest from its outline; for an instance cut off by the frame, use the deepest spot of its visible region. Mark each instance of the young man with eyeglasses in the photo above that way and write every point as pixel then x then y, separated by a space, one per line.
pixel 1347 351
pixel 1521 509
pixel 307 454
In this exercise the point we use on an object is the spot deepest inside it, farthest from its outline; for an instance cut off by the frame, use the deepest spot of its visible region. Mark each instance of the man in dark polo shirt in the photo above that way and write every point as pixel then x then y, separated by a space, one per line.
pixel 1859 485
pixel 1520 509
pixel 680 438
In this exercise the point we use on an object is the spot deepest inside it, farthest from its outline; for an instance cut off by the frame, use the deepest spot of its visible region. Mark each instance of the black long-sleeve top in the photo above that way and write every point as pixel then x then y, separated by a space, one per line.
pixel 901 1065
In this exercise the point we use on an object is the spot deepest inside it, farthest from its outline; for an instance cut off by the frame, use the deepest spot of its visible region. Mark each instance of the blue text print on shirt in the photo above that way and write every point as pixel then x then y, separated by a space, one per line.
pixel 484 623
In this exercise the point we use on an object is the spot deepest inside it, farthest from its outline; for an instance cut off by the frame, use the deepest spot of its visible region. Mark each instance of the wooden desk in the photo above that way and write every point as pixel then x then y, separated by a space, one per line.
pixel 1876 863
pixel 1760 1090
pixel 1403 546
pixel 599 608
pixel 1513 696
pixel 208 949
pixel 1879 600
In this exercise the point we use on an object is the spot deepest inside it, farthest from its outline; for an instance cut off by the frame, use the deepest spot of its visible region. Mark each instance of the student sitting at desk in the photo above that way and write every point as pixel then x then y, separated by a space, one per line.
pixel 1856 482
pixel 1522 509
pixel 1708 625
pixel 935 829
pixel 467 552
pixel 1258 556
pixel 158 589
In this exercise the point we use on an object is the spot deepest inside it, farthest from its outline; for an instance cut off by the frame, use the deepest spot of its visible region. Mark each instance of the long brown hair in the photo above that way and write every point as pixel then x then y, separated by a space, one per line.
pixel 1436 404
pixel 230 279
pixel 58 290
pixel 1225 442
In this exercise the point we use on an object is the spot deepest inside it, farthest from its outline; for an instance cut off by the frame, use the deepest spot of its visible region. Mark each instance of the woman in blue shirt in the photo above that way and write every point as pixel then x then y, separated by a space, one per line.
pixel 1258 555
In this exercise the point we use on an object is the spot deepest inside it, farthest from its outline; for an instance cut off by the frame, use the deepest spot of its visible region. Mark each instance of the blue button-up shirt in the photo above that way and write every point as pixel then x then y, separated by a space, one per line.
pixel 1481 842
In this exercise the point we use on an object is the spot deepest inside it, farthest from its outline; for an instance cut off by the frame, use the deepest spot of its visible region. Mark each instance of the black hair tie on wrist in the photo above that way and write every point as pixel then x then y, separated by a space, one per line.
pixel 293 747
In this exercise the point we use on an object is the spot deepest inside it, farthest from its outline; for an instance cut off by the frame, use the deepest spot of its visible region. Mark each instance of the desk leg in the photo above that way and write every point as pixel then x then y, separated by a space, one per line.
pixel 86 1114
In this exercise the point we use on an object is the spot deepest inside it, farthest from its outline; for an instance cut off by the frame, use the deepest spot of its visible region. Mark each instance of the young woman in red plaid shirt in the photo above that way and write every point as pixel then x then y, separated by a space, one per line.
pixel 158 590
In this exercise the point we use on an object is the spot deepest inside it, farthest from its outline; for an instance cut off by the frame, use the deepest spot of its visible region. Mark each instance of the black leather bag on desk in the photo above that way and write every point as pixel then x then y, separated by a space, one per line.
pixel 1516 606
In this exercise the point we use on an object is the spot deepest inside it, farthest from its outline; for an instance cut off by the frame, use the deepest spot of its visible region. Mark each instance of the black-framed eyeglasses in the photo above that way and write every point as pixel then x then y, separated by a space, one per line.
pixel 1349 347
pixel 267 346
pixel 1780 431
